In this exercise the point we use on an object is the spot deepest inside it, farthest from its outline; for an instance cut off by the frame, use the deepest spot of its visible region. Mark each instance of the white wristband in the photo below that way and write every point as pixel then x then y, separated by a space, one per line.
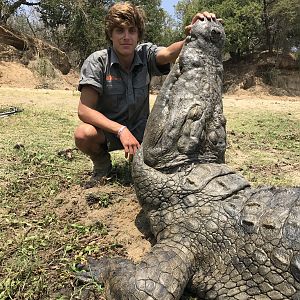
pixel 120 131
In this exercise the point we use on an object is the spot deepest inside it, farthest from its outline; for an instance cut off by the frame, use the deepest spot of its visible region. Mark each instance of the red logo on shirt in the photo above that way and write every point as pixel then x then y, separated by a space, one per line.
pixel 110 78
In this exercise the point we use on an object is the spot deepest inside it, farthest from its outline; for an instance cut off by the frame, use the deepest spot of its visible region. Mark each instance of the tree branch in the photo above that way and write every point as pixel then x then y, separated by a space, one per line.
pixel 13 7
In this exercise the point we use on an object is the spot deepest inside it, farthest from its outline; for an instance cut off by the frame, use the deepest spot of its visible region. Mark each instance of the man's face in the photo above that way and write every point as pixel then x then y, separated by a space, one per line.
pixel 124 39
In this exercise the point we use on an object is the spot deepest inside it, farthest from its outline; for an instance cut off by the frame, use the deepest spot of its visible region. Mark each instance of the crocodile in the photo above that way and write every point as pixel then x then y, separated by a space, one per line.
pixel 216 236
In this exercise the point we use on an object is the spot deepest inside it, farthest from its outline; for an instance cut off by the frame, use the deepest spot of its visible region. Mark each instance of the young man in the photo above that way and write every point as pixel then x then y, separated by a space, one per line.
pixel 114 85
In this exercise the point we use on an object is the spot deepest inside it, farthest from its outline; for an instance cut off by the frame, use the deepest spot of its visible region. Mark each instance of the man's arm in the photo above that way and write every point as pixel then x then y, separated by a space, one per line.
pixel 169 54
pixel 88 114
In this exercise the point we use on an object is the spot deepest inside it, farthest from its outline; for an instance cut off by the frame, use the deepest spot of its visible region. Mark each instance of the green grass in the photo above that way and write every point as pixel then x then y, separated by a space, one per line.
pixel 265 147
pixel 40 247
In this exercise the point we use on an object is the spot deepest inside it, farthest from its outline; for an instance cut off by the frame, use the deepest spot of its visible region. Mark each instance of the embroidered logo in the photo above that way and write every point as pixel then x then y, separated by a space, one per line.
pixel 110 77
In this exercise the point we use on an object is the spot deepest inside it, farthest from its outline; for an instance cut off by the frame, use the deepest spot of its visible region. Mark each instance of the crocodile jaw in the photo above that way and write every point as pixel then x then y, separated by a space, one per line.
pixel 187 123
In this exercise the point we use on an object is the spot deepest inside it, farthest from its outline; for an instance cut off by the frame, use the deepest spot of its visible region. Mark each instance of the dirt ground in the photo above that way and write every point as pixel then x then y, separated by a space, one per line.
pixel 16 75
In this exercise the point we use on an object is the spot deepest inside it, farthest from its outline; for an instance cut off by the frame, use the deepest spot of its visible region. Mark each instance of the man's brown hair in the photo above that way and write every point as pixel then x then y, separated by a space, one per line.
pixel 124 13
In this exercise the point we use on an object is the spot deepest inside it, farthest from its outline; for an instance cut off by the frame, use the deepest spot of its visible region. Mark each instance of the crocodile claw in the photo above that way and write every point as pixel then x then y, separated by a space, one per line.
pixel 92 271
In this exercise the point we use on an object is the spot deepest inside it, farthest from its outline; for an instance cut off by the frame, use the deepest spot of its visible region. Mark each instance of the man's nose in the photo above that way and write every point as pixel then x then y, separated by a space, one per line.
pixel 126 34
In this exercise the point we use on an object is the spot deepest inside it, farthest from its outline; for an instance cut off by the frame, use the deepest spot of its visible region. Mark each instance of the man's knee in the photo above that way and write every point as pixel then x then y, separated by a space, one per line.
pixel 84 132
pixel 87 134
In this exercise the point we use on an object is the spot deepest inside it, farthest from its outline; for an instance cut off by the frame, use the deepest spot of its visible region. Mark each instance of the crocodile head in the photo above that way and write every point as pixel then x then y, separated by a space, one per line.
pixel 187 124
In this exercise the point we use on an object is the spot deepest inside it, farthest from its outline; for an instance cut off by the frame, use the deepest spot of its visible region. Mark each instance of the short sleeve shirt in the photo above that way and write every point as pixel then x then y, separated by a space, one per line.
pixel 123 97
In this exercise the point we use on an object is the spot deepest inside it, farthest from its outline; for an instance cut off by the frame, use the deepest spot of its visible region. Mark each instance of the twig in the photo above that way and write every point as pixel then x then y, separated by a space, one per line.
pixel 41 176
pixel 13 110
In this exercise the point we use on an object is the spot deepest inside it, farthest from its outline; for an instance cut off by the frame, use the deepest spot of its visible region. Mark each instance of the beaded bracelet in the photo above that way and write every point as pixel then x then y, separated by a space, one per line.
pixel 120 131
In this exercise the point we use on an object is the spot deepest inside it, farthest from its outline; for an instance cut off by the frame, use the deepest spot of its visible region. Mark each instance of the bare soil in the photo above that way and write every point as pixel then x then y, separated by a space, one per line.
pixel 123 217
pixel 16 75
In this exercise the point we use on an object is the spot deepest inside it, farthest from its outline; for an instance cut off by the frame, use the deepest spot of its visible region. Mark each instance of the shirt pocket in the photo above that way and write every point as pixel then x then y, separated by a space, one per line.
pixel 141 88
pixel 113 94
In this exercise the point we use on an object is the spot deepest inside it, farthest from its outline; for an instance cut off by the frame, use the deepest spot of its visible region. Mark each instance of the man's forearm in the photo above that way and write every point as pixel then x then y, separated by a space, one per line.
pixel 170 53
pixel 97 119
pixel 174 50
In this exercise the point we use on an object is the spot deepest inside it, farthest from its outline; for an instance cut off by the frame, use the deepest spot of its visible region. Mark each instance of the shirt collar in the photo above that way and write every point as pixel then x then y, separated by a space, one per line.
pixel 115 60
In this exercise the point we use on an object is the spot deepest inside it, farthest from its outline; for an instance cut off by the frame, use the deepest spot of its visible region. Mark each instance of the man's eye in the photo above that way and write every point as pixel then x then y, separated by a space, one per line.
pixel 133 30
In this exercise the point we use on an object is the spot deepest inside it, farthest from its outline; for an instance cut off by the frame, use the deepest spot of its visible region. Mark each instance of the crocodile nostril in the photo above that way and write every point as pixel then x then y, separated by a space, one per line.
pixel 215 35
pixel 215 32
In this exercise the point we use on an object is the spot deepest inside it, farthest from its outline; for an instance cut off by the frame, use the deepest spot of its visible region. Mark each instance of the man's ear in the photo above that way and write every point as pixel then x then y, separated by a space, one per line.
pixel 109 34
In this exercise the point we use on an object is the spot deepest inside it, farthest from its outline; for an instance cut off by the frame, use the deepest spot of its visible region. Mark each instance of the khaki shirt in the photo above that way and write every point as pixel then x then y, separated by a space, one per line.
pixel 123 97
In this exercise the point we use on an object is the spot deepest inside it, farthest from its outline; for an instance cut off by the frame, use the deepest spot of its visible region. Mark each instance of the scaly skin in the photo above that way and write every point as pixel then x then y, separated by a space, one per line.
pixel 217 238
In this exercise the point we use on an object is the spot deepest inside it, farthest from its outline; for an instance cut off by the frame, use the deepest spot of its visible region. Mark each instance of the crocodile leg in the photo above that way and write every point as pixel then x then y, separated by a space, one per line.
pixel 162 274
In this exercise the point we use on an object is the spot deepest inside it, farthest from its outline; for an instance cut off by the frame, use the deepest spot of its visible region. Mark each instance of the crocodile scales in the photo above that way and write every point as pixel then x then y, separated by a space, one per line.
pixel 217 238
